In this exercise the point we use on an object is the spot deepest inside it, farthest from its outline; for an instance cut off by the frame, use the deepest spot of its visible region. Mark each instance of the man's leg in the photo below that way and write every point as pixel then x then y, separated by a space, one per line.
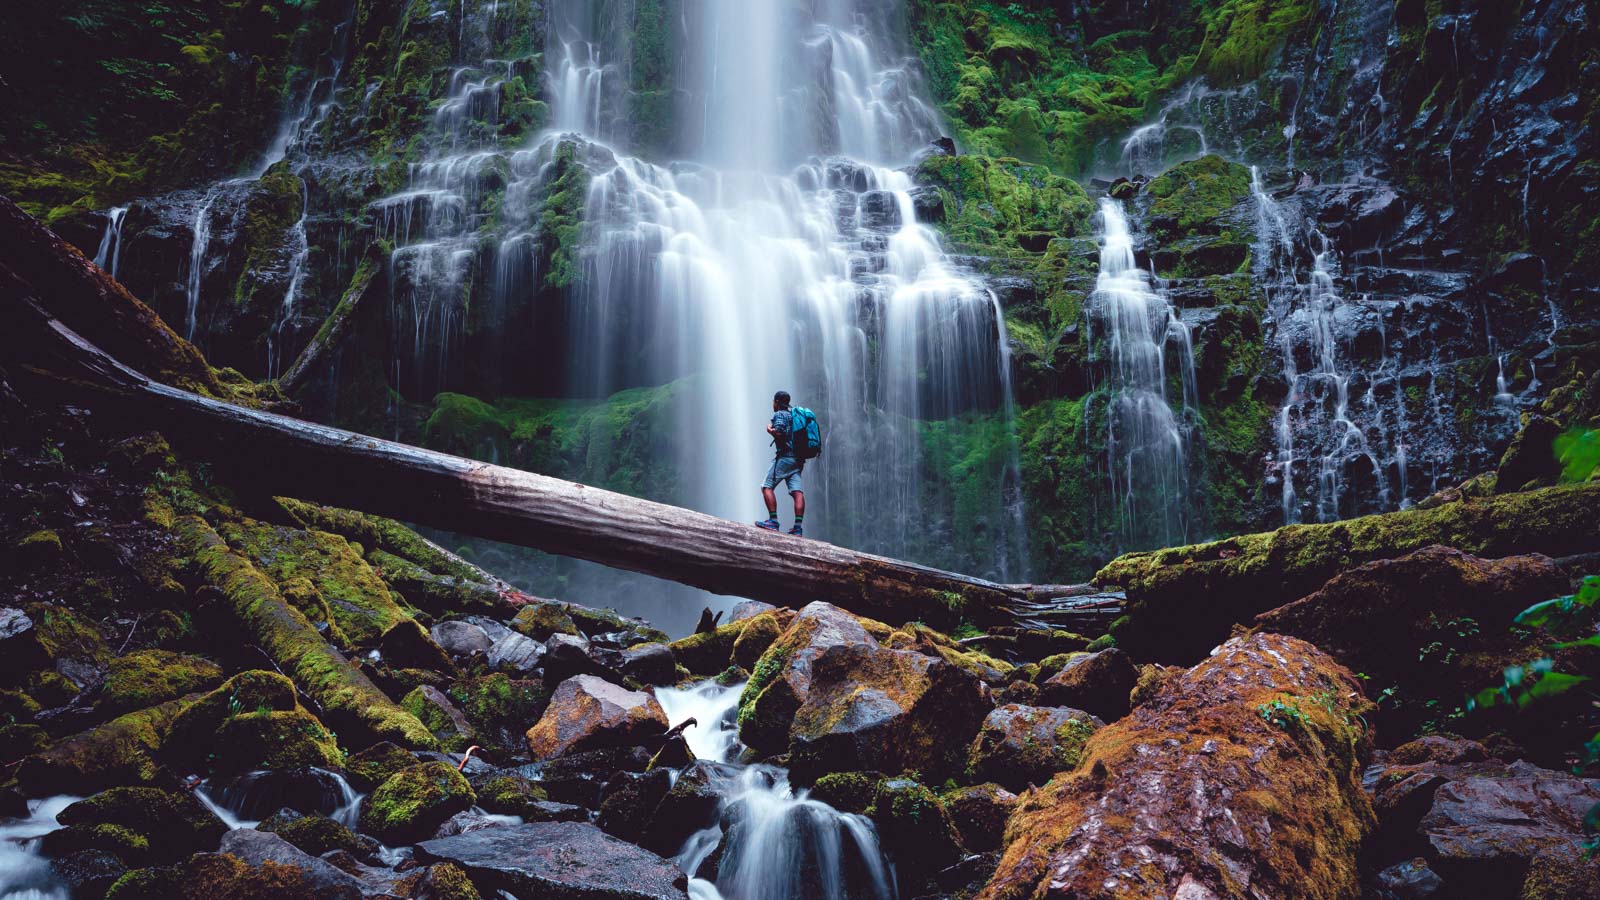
pixel 769 495
pixel 799 505
pixel 797 491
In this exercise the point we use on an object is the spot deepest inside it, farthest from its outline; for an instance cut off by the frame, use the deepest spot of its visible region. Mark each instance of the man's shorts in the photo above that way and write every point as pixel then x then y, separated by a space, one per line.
pixel 786 469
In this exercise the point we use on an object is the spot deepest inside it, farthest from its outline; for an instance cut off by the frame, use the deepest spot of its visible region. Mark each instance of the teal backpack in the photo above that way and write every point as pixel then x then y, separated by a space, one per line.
pixel 805 433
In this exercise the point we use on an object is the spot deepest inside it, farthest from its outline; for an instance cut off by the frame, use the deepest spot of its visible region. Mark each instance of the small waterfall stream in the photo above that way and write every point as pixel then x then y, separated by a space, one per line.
pixel 1147 444
pixel 776 843
pixel 110 252
pixel 24 874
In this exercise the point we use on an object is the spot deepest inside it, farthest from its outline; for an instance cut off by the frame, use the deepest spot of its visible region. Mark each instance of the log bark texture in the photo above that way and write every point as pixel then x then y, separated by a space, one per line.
pixel 278 454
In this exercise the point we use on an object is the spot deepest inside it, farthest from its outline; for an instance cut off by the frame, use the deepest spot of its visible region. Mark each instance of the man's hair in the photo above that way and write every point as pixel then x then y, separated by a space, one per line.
pixel 781 398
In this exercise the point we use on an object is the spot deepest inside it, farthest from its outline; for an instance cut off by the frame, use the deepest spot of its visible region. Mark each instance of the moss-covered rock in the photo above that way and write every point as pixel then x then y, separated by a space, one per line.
pixel 1270 722
pixel 711 652
pixel 447 881
pixel 373 766
pixel 351 702
pixel 124 843
pixel 851 792
pixel 440 715
pixel 120 752
pixel 1183 600
pixel 37 550
pixel 21 740
pixel 171 825
pixel 500 708
pixel 147 677
pixel 274 739
pixel 1191 197
pixel 315 835
pixel 52 689
pixel 413 802
pixel 979 813
pixel 911 819
pixel 510 795
pixel 540 620
pixel 1019 746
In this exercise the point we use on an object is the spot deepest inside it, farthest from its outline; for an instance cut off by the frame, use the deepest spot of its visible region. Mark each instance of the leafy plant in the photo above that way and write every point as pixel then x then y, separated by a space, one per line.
pixel 1283 714
pixel 1578 450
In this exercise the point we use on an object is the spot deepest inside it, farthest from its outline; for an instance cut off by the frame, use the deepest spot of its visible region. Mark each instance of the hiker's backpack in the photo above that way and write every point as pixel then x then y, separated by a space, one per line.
pixel 805 433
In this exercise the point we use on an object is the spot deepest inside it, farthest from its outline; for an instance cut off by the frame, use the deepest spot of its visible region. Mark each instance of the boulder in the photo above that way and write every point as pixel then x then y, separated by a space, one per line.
pixel 1435 622
pixel 86 873
pixel 1409 880
pixel 434 710
pixel 147 677
pixel 507 794
pixel 415 801
pixel 650 663
pixel 540 620
pixel 578 776
pixel 171 825
pixel 446 882
pixel 256 848
pixel 1097 683
pixel 314 834
pixel 566 859
pixel 373 766
pixel 1197 793
pixel 979 812
pixel 828 693
pixel 1484 831
pixel 588 713
pixel 515 652
pixel 710 652
pixel 461 639
pixel 913 823
pixel 252 721
pixel 689 806
pixel 122 751
pixel 568 655
pixel 629 800
pixel 746 609
pixel 1019 746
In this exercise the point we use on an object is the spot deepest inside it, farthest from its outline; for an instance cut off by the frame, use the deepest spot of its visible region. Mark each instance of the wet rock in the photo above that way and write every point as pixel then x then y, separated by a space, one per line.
pixel 255 848
pixel 171 825
pixel 711 652
pixel 689 806
pixel 446 881
pixel 836 699
pixel 468 821
pixel 1097 683
pixel 1196 794
pixel 568 655
pixel 147 677
pixel 578 777
pixel 567 859
pixel 979 812
pixel 507 794
pixel 408 644
pixel 88 873
pixel 412 803
pixel 912 821
pixel 628 801
pixel 1409 880
pixel 461 639
pixel 313 834
pixel 746 609
pixel 258 795
pixel 516 653
pixel 880 209
pixel 1448 609
pixel 1019 746
pixel 1483 831
pixel 674 754
pixel 649 664
pixel 588 713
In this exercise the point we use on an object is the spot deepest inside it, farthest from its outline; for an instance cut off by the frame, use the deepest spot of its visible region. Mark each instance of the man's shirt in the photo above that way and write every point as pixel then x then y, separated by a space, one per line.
pixel 782 423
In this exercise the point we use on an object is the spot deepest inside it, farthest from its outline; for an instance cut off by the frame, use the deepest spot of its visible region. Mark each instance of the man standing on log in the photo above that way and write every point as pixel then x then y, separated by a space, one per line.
pixel 785 467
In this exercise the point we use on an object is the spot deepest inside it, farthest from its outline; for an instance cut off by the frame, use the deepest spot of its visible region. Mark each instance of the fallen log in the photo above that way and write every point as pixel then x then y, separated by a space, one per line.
pixel 336 326
pixel 281 455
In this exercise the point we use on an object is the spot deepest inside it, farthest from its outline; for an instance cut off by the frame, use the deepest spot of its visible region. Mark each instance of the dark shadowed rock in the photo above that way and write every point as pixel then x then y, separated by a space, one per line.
pixel 558 859
pixel 257 847
pixel 1099 684
pixel 979 813
pixel 86 873
pixel 1410 880
pixel 629 800
pixel 407 644
pixel 650 663
pixel 1020 746
pixel 578 776
pixel 589 713
pixel 1196 794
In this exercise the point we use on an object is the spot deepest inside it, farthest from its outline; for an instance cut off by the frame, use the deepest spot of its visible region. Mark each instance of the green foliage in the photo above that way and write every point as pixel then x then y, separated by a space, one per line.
pixel 1578 451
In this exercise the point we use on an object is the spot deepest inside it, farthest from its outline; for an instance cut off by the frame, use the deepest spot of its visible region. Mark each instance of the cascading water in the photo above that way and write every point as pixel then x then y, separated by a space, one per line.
pixel 776 843
pixel 245 800
pixel 1147 443
pixel 199 248
pixel 787 255
pixel 110 251
pixel 24 874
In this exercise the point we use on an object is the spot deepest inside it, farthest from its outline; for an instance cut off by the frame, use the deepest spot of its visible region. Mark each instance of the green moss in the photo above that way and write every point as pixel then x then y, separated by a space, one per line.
pixel 61 633
pixel 147 884
pixel 1191 196
pixel 500 708
pixel 413 802
pixel 373 766
pixel 510 795
pixel 170 825
pixel 377 532
pixel 52 689
pixel 315 835
pixel 850 792
pixel 122 751
pixel 994 205
pixel 38 549
pixel 346 697
pixel 541 620
pixel 17 741
pixel 147 677
pixel 275 739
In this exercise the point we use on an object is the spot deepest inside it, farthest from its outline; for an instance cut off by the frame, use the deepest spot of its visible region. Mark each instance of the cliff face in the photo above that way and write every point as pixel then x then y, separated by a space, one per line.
pixel 1370 226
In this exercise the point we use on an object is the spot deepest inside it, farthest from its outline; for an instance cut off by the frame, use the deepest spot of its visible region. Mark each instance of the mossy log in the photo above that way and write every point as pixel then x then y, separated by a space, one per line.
pixel 348 700
pixel 1182 601
pixel 337 325
pixel 94 304
pixel 121 751
pixel 279 454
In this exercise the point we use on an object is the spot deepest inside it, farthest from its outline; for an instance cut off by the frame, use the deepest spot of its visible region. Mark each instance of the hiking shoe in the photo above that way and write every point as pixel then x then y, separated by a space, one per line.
pixel 797 530
pixel 769 524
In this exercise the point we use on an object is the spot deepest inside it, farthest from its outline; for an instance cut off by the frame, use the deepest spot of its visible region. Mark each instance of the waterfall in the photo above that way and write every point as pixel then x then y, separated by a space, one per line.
pixel 776 843
pixel 1146 445
pixel 24 874
pixel 245 800
pixel 110 252
pixel 198 248
pixel 781 252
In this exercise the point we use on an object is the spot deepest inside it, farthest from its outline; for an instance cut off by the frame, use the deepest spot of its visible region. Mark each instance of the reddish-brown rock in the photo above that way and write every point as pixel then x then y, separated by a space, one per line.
pixel 1021 745
pixel 1197 794
pixel 1434 623
pixel 589 713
